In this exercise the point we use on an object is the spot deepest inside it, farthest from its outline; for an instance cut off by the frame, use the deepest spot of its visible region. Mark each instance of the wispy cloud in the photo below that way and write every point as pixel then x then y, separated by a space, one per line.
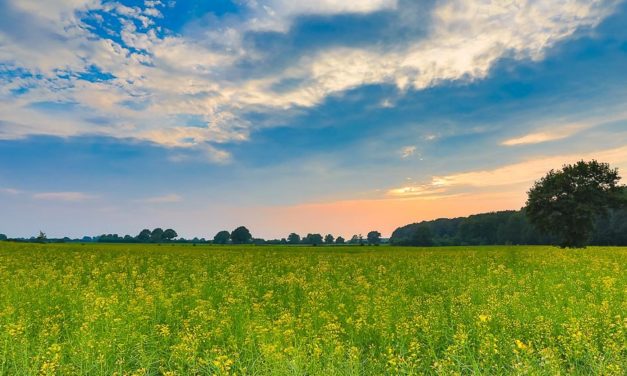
pixel 536 138
pixel 10 191
pixel 165 199
pixel 407 151
pixel 64 196
pixel 559 132
pixel 514 174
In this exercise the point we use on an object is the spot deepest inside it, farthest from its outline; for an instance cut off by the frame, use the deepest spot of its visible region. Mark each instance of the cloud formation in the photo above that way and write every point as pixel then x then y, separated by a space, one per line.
pixel 71 68
pixel 165 199
pixel 64 196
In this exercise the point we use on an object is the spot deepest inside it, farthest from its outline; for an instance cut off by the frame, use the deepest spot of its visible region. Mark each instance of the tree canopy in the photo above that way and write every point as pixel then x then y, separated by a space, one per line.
pixel 241 235
pixel 374 237
pixel 566 203
pixel 169 234
pixel 314 239
pixel 156 235
pixel 222 237
pixel 293 238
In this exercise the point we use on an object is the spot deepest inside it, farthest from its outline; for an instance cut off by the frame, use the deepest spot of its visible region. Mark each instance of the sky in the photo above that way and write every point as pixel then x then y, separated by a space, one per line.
pixel 297 116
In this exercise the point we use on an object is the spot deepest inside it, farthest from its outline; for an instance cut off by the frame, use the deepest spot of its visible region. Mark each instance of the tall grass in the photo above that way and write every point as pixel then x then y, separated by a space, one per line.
pixel 178 310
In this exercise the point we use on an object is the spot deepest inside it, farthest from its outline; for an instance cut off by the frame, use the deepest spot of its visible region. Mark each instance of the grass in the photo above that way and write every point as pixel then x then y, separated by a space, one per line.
pixel 178 310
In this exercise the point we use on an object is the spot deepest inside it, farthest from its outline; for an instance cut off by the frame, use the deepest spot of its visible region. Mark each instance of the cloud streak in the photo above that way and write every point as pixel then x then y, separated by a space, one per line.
pixel 517 174
pixel 64 196
pixel 165 199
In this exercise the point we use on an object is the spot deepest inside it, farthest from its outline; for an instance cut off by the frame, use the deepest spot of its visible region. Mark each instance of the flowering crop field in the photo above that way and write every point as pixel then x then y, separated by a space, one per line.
pixel 178 310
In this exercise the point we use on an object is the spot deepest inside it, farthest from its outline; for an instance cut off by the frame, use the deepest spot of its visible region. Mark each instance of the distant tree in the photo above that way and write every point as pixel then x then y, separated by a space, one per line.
pixel 258 241
pixel 241 235
pixel 328 239
pixel 156 235
pixel 144 236
pixel 128 239
pixel 354 240
pixel 41 237
pixel 340 240
pixel 283 241
pixel 566 203
pixel 87 239
pixel 222 237
pixel 293 238
pixel 422 237
pixel 3 237
pixel 314 239
pixel 374 237
pixel 169 234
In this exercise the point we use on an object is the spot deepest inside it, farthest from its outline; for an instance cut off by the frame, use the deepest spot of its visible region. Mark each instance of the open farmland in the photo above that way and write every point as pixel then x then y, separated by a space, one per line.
pixel 177 310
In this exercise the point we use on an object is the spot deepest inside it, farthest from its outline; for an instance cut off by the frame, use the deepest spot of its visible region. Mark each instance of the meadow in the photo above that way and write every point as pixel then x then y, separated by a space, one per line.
pixel 178 310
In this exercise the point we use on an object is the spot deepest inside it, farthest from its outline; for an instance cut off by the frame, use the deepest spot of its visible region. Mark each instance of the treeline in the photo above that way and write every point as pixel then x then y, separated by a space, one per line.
pixel 502 228
pixel 240 235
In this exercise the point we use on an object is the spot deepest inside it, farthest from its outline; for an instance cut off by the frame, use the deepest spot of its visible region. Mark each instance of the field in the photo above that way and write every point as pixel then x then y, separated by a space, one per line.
pixel 178 310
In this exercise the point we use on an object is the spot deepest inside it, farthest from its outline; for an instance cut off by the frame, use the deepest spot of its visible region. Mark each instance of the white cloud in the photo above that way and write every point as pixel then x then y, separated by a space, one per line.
pixel 407 151
pixel 64 196
pixel 159 78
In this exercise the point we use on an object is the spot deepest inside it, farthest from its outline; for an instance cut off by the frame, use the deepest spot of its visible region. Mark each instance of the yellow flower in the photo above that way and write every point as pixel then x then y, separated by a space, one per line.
pixel 521 345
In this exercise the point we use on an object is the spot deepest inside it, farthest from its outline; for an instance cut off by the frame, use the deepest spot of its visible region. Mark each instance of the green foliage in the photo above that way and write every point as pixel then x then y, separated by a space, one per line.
pixel 313 239
pixel 508 227
pixel 413 235
pixel 374 238
pixel 156 235
pixel 566 203
pixel 293 238
pixel 169 234
pixel 3 237
pixel 340 240
pixel 41 237
pixel 241 235
pixel 328 239
pixel 222 237
pixel 143 309
pixel 144 236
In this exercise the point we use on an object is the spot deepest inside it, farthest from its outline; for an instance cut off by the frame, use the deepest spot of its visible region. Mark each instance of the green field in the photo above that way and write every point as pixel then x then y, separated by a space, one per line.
pixel 179 310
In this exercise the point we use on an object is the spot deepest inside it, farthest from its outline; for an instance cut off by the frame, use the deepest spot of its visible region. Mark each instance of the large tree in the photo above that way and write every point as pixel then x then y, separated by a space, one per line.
pixel 293 238
pixel 156 235
pixel 313 239
pixel 222 237
pixel 169 234
pixel 3 237
pixel 241 235
pixel 144 236
pixel 374 237
pixel 565 203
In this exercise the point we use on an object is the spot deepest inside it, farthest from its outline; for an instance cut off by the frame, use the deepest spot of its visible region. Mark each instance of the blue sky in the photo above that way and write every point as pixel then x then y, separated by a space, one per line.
pixel 302 116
